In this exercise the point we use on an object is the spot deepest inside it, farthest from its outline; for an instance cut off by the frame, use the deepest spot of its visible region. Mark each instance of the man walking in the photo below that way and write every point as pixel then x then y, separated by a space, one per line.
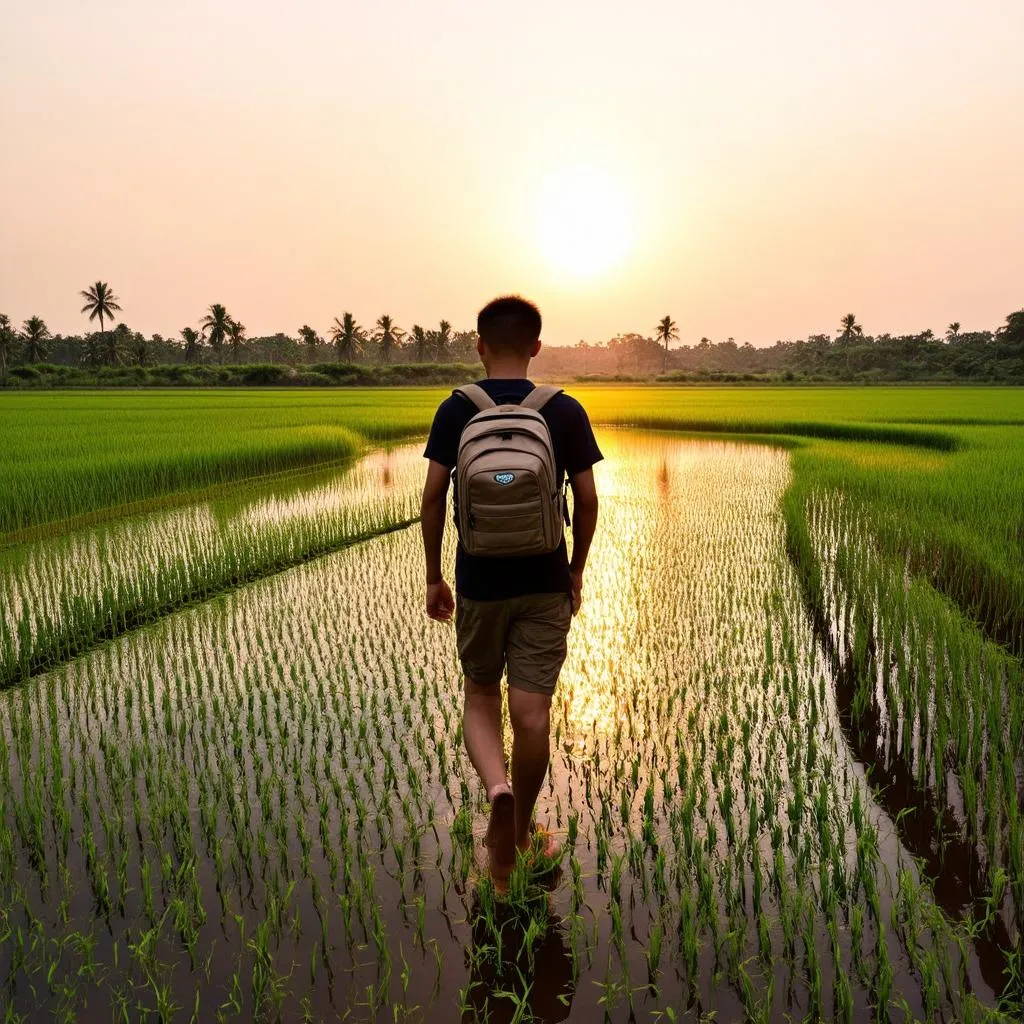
pixel 516 588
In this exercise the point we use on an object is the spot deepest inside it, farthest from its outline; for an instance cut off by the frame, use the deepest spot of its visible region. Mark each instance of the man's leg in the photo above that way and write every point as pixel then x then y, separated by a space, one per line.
pixel 481 730
pixel 480 628
pixel 531 751
pixel 536 650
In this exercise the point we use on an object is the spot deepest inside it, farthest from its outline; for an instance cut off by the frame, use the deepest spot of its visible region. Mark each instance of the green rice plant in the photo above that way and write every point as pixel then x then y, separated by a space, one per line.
pixel 654 940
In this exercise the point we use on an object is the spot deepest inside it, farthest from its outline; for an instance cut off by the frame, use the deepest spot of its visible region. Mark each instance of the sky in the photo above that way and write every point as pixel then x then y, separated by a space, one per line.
pixel 752 169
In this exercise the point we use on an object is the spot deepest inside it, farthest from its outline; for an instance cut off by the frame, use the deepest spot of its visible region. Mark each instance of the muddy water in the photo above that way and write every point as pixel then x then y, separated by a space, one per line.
pixel 261 804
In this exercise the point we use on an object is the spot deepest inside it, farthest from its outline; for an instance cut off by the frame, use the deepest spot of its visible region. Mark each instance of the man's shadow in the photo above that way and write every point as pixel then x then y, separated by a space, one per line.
pixel 520 954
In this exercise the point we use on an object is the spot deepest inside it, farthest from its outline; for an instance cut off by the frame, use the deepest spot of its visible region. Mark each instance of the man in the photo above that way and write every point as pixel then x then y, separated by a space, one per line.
pixel 511 612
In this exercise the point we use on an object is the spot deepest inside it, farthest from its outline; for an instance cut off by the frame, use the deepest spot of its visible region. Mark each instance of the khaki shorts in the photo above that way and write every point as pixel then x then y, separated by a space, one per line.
pixel 527 634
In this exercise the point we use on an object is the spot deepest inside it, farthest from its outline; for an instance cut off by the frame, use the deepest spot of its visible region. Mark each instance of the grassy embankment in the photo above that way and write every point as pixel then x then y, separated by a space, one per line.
pixel 71 454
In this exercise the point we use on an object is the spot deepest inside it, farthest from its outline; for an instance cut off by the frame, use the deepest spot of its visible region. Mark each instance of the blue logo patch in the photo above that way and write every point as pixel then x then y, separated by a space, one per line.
pixel 504 478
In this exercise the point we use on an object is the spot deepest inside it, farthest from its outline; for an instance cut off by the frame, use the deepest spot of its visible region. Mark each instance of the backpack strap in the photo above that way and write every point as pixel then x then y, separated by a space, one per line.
pixel 540 396
pixel 476 394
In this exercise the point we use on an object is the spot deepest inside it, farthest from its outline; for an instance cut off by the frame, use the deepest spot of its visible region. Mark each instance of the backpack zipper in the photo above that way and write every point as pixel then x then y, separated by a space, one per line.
pixel 481 418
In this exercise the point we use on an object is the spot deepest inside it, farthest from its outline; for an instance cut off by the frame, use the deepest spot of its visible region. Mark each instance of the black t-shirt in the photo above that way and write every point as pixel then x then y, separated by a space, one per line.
pixel 483 578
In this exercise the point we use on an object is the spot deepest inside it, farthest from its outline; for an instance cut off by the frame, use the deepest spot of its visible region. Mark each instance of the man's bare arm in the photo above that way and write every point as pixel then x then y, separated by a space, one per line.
pixel 584 523
pixel 440 603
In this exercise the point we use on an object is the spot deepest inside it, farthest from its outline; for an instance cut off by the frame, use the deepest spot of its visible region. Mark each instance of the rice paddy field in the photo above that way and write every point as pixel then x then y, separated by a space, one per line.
pixel 787 760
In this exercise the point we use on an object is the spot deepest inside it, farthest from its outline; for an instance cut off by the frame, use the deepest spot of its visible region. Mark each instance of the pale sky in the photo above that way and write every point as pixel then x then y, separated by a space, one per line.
pixel 753 169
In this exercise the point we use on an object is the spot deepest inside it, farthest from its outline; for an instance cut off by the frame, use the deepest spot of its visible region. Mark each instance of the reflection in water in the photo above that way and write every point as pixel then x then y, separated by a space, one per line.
pixel 664 485
pixel 685 562
pixel 520 967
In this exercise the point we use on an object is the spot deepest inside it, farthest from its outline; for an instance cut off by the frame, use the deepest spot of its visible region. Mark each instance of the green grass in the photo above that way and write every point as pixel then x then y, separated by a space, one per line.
pixel 957 519
pixel 61 595
pixel 823 405
pixel 70 453
pixel 67 454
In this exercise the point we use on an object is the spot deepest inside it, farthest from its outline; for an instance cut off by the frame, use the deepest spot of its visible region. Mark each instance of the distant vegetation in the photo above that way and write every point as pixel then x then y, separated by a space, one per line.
pixel 221 353
pixel 245 375
pixel 852 355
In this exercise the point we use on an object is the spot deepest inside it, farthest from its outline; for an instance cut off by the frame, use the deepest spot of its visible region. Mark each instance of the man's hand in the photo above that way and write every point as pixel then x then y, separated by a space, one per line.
pixel 440 603
pixel 435 490
pixel 576 589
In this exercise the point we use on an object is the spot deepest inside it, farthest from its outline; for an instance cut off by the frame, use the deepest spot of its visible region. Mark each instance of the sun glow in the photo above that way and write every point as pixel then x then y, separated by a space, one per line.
pixel 584 225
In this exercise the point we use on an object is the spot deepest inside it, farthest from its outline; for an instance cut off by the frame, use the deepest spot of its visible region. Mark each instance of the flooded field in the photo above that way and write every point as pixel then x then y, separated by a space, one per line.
pixel 260 806
pixel 60 594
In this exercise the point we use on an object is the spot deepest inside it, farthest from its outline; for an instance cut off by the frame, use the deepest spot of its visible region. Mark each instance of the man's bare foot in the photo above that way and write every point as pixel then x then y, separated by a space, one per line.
pixel 501 832
pixel 541 849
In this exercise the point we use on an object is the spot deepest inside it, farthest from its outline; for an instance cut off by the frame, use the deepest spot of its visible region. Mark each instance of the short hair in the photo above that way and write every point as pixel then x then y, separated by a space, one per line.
pixel 509 323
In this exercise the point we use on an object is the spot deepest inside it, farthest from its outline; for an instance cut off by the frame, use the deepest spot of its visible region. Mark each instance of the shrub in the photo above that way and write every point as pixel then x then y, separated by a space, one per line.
pixel 262 374
pixel 314 380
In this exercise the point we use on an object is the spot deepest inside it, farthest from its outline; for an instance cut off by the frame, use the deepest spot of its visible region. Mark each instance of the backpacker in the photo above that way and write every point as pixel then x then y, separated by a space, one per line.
pixel 508 499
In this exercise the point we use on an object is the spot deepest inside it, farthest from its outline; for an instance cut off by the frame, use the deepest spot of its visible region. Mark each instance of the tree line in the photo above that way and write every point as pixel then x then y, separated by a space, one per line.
pixel 221 339
pixel 851 354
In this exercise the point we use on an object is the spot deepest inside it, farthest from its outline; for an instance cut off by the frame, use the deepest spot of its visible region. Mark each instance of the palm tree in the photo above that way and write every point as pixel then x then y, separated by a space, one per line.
pixel 7 340
pixel 100 302
pixel 1011 334
pixel 33 339
pixel 94 355
pixel 310 337
pixel 665 333
pixel 442 339
pixel 118 344
pixel 953 331
pixel 140 348
pixel 850 328
pixel 388 335
pixel 218 323
pixel 113 345
pixel 420 338
pixel 192 340
pixel 347 336
pixel 236 332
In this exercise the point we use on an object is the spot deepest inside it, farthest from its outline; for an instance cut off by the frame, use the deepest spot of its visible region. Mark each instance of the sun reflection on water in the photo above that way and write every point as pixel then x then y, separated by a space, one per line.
pixel 681 540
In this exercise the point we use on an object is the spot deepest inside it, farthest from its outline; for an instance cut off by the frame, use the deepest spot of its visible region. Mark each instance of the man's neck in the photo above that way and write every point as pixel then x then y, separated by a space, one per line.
pixel 508 370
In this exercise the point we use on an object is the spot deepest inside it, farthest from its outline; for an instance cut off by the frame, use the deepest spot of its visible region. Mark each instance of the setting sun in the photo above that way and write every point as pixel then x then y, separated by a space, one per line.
pixel 583 222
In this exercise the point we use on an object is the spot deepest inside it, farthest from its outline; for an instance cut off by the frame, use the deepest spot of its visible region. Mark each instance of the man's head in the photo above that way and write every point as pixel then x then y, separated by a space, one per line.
pixel 509 329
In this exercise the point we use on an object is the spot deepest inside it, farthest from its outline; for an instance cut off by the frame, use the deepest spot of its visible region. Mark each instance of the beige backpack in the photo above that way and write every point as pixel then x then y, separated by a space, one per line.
pixel 508 500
